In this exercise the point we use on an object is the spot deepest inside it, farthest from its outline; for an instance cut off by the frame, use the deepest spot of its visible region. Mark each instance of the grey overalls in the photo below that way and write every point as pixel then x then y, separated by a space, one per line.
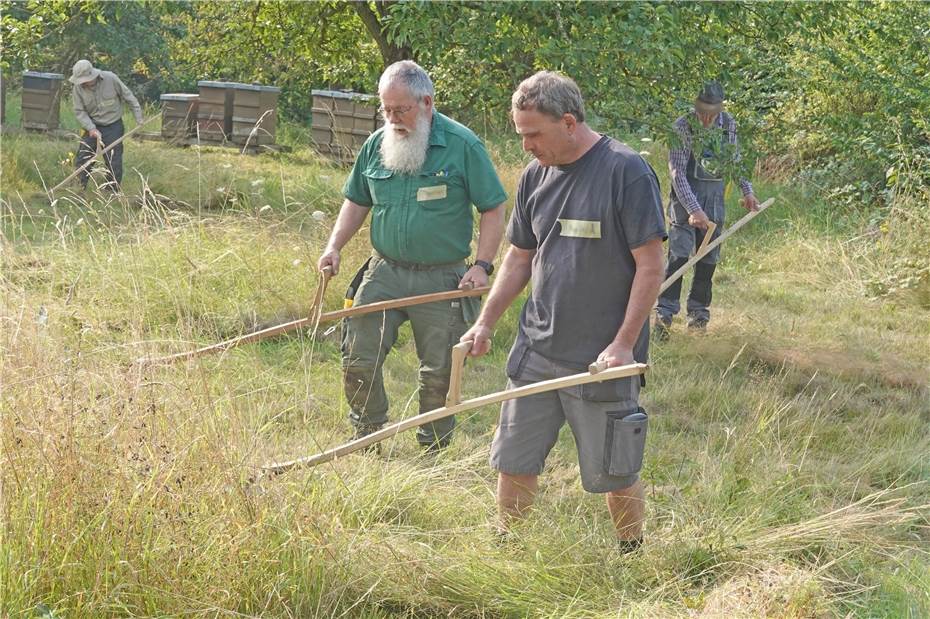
pixel 684 239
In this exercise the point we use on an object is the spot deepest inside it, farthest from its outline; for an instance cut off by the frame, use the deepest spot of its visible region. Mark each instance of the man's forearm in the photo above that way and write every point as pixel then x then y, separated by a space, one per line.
pixel 490 233
pixel 514 275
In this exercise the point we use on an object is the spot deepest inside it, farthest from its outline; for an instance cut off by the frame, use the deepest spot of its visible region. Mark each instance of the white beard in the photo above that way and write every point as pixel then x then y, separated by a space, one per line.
pixel 405 154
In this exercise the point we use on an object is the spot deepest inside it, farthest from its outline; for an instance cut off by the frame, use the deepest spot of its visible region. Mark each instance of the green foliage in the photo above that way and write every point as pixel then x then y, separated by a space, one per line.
pixel 297 46
pixel 858 111
pixel 126 38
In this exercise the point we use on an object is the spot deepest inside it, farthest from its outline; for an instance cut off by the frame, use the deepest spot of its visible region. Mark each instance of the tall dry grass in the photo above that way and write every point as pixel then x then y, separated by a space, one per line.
pixel 787 471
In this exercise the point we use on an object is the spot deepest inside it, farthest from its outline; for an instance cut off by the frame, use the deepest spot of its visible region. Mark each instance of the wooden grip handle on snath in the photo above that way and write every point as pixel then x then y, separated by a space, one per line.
pixel 459 352
pixel 622 371
pixel 706 247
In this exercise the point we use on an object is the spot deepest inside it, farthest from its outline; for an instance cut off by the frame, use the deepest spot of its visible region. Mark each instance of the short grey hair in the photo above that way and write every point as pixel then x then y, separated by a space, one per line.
pixel 411 75
pixel 550 93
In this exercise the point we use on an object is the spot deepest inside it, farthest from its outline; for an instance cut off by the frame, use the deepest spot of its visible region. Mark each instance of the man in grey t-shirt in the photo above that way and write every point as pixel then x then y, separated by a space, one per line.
pixel 588 229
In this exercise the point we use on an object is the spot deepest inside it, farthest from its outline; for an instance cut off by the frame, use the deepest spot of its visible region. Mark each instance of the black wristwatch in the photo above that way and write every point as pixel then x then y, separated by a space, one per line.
pixel 487 266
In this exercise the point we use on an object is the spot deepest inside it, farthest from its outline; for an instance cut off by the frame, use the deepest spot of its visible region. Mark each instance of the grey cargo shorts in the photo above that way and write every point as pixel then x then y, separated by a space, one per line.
pixel 605 419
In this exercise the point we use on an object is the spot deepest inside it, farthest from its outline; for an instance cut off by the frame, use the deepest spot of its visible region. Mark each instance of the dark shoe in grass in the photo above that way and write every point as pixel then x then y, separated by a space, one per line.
pixel 697 324
pixel 435 447
pixel 362 431
pixel 627 546
pixel 661 329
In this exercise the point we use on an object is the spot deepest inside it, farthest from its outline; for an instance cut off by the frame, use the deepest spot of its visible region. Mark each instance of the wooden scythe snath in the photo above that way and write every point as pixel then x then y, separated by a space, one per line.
pixel 113 145
pixel 315 319
pixel 708 246
pixel 597 372
pixel 454 406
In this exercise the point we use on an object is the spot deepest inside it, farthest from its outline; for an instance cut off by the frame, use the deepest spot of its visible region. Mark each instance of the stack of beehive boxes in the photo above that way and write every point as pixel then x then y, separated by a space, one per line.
pixel 254 114
pixel 178 116
pixel 41 100
pixel 342 121
pixel 214 111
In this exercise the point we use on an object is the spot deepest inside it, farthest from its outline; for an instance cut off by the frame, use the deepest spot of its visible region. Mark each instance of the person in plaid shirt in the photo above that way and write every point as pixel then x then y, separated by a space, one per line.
pixel 707 145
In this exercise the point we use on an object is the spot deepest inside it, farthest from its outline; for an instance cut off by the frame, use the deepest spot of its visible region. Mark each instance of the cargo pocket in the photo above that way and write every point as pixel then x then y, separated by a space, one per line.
pixel 625 442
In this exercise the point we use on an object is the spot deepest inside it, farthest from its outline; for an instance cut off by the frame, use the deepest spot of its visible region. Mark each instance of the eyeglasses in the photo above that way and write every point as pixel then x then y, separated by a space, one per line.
pixel 396 111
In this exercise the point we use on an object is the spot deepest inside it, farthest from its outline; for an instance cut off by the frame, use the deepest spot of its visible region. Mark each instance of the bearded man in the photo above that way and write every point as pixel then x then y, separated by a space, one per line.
pixel 419 176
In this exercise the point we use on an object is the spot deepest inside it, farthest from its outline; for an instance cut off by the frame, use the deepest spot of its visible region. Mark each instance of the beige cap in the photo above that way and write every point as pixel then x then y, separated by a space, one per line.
pixel 82 72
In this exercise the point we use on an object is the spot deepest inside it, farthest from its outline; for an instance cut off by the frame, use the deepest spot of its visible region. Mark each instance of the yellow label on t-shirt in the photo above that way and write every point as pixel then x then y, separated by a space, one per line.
pixel 437 192
pixel 580 228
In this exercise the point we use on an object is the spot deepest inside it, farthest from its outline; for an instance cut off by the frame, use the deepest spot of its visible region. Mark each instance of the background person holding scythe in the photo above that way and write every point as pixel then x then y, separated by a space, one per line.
pixel 707 144
pixel 98 97
pixel 419 176
pixel 588 228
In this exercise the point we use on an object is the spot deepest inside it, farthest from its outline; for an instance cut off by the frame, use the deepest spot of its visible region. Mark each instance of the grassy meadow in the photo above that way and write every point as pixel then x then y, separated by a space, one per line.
pixel 787 469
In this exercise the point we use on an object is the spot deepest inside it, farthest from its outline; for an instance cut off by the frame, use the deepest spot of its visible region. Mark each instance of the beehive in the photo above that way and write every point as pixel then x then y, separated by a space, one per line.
pixel 254 114
pixel 178 115
pixel 214 111
pixel 41 100
pixel 342 121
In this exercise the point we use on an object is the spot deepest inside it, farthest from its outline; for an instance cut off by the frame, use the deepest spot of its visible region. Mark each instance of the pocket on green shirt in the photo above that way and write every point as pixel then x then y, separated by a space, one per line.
pixel 382 185
pixel 438 192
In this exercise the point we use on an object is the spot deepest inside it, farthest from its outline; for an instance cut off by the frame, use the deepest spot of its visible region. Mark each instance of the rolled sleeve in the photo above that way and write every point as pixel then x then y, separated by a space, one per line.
pixel 356 186
pixel 127 96
pixel 485 190
pixel 79 112
pixel 744 184
pixel 678 170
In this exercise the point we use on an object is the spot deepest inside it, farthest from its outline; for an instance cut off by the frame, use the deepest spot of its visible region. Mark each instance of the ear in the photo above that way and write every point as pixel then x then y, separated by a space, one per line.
pixel 428 101
pixel 571 123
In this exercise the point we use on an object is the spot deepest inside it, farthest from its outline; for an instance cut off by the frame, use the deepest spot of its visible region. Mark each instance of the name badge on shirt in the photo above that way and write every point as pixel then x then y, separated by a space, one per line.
pixel 580 228
pixel 437 192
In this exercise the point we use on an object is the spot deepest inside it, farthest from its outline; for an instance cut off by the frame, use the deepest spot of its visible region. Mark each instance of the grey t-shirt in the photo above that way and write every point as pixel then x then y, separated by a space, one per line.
pixel 583 219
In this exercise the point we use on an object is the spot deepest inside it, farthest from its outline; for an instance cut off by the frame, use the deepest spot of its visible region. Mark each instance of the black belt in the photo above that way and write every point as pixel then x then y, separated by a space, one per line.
pixel 414 266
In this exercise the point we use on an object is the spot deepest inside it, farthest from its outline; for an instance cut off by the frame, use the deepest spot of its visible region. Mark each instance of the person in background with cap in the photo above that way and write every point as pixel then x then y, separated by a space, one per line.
pixel 98 98
pixel 707 144
pixel 418 177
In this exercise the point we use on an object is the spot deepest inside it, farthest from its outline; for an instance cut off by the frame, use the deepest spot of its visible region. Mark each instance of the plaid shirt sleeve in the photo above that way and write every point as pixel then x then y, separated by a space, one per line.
pixel 729 126
pixel 678 166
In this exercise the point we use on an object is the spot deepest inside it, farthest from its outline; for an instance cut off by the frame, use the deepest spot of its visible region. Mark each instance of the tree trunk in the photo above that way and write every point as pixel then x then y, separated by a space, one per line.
pixel 390 53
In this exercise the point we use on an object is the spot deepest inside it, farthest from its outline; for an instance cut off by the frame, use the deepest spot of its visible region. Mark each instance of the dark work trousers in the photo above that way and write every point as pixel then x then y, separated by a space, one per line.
pixel 683 241
pixel 113 159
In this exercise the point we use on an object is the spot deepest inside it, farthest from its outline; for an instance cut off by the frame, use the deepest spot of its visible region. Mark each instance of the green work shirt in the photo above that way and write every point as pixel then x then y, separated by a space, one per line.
pixel 426 218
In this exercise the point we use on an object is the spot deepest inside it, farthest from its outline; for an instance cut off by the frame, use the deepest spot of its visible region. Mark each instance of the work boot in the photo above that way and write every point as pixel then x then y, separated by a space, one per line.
pixel 435 447
pixel 662 328
pixel 627 546
pixel 365 430
pixel 697 324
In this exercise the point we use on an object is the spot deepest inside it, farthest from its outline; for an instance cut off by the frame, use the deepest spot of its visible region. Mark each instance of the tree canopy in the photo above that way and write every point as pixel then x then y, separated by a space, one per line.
pixel 824 84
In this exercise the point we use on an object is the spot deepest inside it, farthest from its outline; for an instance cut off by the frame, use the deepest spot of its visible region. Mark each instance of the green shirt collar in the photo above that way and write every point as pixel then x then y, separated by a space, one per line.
pixel 437 130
